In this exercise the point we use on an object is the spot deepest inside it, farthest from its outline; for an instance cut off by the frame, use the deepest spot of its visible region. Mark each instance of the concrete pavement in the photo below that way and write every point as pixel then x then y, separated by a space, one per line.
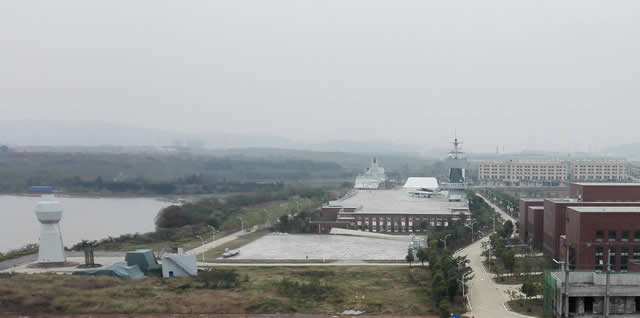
pixel 203 248
pixel 503 214
pixel 486 297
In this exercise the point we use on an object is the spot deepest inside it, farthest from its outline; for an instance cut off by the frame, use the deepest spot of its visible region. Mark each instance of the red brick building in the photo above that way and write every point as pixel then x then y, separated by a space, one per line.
pixel 523 231
pixel 388 211
pixel 535 215
pixel 605 191
pixel 580 195
pixel 597 235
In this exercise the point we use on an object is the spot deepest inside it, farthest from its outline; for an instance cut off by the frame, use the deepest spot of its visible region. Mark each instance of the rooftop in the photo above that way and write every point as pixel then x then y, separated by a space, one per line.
pixel 610 184
pixel 536 208
pixel 606 209
pixel 399 201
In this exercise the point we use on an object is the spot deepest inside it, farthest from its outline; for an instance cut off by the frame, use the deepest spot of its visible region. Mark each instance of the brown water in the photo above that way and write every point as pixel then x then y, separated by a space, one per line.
pixel 83 218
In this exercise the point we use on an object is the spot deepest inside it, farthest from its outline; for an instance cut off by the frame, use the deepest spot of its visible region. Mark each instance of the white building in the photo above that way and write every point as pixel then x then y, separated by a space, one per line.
pixel 372 178
pixel 179 265
pixel 599 170
pixel 523 170
pixel 553 170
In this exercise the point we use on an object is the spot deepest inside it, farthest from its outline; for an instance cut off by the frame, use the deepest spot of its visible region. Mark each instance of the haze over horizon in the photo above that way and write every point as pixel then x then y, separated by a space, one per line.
pixel 557 76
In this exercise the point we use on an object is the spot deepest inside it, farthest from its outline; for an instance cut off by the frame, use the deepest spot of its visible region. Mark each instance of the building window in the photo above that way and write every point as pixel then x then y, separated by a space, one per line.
pixel 600 235
pixel 612 257
pixel 636 253
pixel 599 258
pixel 612 235
pixel 624 258
pixel 625 235
pixel 636 235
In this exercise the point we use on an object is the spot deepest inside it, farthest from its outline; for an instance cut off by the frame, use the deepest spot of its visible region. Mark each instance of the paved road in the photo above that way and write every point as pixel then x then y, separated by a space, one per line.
pixel 223 240
pixel 503 214
pixel 487 297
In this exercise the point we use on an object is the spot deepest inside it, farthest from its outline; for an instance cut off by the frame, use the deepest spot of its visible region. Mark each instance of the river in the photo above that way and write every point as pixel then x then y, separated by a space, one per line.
pixel 83 218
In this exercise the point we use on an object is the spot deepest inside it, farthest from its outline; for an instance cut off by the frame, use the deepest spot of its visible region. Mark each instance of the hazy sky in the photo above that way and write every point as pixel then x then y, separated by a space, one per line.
pixel 526 74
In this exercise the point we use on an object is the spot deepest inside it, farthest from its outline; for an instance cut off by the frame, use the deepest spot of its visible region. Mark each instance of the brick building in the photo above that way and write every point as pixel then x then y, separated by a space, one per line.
pixel 389 211
pixel 605 191
pixel 524 208
pixel 554 220
pixel 535 229
pixel 597 235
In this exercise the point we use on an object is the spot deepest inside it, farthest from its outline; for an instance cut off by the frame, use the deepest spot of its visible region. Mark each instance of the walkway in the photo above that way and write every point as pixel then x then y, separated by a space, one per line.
pixel 211 245
pixel 487 297
pixel 503 214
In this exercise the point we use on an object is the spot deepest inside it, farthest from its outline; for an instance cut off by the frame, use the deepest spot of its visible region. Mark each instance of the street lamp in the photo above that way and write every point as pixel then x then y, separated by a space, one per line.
pixel 241 224
pixel 213 233
pixel 445 240
pixel 471 226
pixel 203 251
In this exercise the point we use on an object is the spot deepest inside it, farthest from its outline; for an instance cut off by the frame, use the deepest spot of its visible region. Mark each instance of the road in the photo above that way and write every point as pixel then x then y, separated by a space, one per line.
pixel 487 297
pixel 203 248
pixel 503 214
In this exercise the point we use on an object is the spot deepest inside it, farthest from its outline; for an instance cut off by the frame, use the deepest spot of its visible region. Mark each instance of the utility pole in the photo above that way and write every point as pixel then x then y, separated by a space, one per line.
pixel 241 224
pixel 445 240
pixel 565 306
pixel 606 288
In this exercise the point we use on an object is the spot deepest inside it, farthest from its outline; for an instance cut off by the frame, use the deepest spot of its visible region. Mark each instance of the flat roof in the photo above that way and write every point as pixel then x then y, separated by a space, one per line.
pixel 606 209
pixel 572 201
pixel 609 184
pixel 536 208
pixel 533 200
pixel 398 201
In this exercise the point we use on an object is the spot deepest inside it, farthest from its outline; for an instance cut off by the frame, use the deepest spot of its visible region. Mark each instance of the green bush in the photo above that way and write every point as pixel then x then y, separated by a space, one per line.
pixel 219 278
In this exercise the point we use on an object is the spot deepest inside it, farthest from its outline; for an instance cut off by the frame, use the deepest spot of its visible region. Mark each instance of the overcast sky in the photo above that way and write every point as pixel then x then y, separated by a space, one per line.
pixel 525 74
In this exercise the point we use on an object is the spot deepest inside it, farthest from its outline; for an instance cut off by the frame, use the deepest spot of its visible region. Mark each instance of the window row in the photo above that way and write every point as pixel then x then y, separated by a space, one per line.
pixel 612 235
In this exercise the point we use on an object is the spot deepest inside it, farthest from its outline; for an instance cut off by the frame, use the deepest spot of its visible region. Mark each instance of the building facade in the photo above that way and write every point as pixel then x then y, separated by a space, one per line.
pixel 554 170
pixel 599 170
pixel 586 294
pixel 523 170
pixel 603 236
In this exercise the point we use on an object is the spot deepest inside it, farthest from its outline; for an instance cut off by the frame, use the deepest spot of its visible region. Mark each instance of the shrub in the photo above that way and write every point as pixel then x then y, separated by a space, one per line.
pixel 219 278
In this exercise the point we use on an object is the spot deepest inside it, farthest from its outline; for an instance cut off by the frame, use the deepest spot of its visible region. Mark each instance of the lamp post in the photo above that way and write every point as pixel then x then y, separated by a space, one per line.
pixel 213 233
pixel 471 226
pixel 201 239
pixel 445 240
pixel 241 224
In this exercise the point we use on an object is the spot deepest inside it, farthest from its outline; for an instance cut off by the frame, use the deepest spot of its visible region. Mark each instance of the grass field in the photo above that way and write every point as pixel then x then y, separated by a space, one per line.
pixel 528 307
pixel 214 253
pixel 386 290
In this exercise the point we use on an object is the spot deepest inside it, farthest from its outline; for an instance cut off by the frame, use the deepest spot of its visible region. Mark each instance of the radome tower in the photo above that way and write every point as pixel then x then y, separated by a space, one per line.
pixel 49 213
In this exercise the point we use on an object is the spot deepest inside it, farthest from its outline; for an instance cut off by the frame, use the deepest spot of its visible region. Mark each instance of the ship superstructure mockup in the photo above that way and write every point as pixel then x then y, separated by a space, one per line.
pixel 372 178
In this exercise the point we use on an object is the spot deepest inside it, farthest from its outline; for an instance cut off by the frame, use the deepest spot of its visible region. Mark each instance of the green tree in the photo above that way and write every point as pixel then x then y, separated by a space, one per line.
pixel 443 309
pixel 409 258
pixel 529 289
pixel 507 229
pixel 422 255
pixel 509 260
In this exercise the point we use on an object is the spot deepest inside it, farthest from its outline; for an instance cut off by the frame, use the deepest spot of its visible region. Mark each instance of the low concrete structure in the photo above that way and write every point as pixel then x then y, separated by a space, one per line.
pixel 586 292
pixel 179 265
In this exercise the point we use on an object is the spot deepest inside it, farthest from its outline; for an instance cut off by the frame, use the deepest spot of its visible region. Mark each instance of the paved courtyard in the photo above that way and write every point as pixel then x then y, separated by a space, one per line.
pixel 330 247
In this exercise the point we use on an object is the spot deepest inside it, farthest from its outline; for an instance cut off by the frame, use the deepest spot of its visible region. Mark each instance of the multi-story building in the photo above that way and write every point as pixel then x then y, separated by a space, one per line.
pixel 554 218
pixel 599 170
pixel 524 170
pixel 554 170
pixel 586 293
pixel 393 210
